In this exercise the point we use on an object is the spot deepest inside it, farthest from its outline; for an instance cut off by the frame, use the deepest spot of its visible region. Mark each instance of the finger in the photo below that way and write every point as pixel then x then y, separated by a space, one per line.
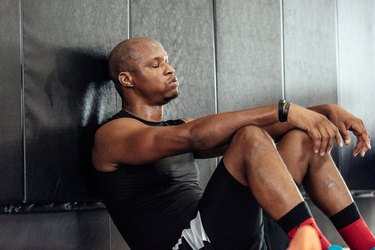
pixel 369 143
pixel 315 135
pixel 338 138
pixel 344 133
pixel 366 140
pixel 357 148
pixel 332 136
pixel 363 151
pixel 360 129
pixel 325 140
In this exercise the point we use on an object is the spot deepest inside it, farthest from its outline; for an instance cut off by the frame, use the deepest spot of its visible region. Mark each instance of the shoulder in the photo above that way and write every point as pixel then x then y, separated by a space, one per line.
pixel 109 139
pixel 118 126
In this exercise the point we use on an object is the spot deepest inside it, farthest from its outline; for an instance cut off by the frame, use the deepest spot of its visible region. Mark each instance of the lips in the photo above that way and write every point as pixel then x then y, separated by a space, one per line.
pixel 173 83
pixel 173 80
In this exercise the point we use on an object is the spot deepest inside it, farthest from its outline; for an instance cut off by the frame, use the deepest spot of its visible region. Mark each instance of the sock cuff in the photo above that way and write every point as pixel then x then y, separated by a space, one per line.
pixel 346 216
pixel 295 217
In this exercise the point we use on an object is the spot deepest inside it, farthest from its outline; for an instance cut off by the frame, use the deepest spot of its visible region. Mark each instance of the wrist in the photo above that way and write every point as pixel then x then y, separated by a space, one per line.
pixel 283 110
pixel 330 109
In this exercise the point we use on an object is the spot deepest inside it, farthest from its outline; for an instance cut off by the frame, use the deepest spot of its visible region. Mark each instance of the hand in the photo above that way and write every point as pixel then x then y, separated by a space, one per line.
pixel 322 131
pixel 346 122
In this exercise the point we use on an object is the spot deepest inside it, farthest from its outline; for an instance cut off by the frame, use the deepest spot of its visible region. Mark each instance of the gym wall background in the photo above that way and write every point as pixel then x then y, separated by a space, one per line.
pixel 228 55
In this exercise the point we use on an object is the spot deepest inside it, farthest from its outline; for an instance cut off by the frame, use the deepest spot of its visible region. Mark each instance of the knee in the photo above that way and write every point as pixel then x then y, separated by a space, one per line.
pixel 299 139
pixel 298 144
pixel 251 137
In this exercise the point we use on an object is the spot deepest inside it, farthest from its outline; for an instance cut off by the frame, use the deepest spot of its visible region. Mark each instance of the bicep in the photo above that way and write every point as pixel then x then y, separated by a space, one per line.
pixel 135 143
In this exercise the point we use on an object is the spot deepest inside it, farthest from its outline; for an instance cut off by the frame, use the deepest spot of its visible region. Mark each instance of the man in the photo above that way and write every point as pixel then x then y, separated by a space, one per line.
pixel 148 179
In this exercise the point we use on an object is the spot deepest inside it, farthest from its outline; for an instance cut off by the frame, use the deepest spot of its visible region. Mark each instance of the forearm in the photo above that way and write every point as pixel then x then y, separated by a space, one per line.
pixel 277 130
pixel 323 109
pixel 216 130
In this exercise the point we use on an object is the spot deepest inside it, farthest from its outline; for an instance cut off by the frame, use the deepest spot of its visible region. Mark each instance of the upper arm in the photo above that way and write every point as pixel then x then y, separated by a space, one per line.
pixel 129 141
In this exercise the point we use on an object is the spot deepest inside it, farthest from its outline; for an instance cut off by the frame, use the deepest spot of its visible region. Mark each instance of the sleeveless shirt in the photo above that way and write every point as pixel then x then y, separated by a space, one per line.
pixel 151 204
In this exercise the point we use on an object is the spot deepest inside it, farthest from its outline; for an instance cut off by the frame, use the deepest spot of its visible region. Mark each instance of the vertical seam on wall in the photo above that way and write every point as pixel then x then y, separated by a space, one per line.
pixel 341 152
pixel 214 54
pixel 338 55
pixel 214 29
pixel 129 19
pixel 282 49
pixel 23 127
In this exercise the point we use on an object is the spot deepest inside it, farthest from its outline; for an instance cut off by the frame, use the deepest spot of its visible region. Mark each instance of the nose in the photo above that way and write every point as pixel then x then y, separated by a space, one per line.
pixel 170 70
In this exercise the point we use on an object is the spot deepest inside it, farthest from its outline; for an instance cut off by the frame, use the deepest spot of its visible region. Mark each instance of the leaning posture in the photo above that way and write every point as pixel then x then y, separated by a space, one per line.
pixel 148 179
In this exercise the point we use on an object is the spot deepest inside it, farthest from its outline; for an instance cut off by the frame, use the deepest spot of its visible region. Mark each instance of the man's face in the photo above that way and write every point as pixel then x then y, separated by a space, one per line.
pixel 153 78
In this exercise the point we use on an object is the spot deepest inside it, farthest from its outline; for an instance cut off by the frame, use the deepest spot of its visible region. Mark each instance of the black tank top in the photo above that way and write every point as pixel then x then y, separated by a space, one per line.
pixel 151 204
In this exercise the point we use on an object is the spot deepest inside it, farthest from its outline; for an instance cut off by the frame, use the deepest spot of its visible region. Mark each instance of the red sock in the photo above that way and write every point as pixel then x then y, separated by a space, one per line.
pixel 353 228
pixel 299 216
pixel 358 236
pixel 311 221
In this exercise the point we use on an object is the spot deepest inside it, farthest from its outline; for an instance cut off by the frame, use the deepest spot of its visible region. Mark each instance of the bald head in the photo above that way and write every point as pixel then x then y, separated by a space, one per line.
pixel 125 56
pixel 140 69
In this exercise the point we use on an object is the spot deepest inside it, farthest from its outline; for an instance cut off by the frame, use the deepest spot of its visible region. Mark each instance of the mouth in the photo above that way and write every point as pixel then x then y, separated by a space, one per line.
pixel 173 81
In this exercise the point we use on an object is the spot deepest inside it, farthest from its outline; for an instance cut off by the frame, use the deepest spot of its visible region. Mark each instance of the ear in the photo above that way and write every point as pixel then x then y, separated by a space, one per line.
pixel 125 79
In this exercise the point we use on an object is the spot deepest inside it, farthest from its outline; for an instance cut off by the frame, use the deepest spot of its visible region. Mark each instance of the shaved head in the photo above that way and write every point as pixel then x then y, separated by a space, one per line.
pixel 140 69
pixel 125 56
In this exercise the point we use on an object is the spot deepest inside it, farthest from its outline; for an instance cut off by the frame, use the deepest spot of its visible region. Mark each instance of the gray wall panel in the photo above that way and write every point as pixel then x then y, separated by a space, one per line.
pixel 356 30
pixel 248 53
pixel 185 28
pixel 67 92
pixel 73 230
pixel 310 51
pixel 11 167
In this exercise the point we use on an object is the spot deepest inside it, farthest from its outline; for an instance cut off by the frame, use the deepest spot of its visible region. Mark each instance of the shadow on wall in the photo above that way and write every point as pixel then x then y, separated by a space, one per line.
pixel 71 95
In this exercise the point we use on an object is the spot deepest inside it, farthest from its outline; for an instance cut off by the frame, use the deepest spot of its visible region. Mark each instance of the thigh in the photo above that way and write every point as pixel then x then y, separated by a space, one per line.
pixel 230 214
pixel 295 148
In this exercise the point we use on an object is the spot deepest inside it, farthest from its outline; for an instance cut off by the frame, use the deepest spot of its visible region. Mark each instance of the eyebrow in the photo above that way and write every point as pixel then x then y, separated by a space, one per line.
pixel 160 58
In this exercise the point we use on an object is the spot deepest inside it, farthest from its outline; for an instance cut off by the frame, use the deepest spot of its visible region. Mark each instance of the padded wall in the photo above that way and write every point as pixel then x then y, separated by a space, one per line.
pixel 11 156
pixel 310 51
pixel 356 45
pixel 185 28
pixel 67 91
pixel 248 53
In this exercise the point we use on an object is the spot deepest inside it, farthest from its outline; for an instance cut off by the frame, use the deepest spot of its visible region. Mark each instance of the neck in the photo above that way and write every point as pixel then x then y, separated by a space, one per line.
pixel 148 113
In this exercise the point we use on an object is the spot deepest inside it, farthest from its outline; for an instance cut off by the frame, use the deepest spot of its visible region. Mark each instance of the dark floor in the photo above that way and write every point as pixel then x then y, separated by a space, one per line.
pixel 95 230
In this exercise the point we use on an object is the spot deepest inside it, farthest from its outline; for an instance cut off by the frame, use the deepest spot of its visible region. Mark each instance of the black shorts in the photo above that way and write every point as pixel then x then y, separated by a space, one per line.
pixel 230 215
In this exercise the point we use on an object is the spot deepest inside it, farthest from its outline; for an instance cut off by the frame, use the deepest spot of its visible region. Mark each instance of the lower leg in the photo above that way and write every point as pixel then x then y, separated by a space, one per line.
pixel 318 174
pixel 326 187
pixel 254 161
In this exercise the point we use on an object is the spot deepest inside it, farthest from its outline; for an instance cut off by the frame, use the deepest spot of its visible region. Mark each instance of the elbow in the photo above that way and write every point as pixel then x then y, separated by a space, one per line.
pixel 199 145
pixel 197 141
